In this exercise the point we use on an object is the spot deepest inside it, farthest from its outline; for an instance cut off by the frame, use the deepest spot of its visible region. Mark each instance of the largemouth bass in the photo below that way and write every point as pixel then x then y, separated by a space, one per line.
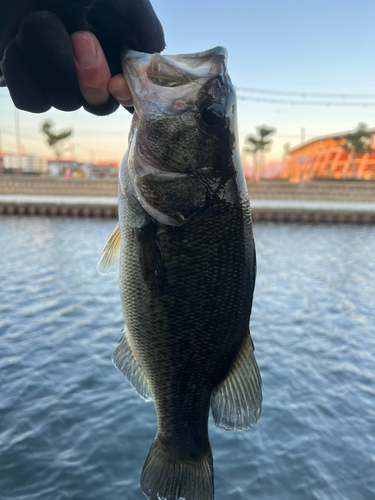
pixel 187 266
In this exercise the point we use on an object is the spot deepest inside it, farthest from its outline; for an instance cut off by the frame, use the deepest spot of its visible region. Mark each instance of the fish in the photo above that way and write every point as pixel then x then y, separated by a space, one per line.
pixel 185 251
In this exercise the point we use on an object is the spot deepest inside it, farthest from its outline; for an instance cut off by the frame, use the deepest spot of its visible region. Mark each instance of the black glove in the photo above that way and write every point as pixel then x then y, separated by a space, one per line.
pixel 37 63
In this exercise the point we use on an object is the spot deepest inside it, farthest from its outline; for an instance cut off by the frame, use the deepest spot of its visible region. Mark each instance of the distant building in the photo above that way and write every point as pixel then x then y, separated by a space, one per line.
pixel 29 164
pixel 62 167
pixel 325 158
pixel 104 169
pixel 25 164
pixel 72 168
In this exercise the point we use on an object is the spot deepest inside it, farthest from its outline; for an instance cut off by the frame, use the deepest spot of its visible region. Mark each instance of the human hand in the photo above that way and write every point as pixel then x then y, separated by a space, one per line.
pixel 37 61
pixel 93 74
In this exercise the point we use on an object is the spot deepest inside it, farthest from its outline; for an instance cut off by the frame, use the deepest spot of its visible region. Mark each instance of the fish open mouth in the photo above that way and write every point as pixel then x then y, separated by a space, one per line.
pixel 154 74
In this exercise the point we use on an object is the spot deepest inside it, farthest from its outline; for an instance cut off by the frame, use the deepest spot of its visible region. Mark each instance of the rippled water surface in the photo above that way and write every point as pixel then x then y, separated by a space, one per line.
pixel 71 427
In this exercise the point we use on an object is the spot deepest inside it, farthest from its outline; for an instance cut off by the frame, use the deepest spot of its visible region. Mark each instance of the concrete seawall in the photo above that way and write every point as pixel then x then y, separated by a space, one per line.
pixel 317 201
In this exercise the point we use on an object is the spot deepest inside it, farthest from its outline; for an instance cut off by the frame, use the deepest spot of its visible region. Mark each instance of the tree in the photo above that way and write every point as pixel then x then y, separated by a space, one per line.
pixel 260 144
pixel 55 140
pixel 358 143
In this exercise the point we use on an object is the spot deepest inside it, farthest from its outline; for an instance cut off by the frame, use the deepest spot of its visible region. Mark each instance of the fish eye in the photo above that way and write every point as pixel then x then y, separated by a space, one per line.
pixel 213 114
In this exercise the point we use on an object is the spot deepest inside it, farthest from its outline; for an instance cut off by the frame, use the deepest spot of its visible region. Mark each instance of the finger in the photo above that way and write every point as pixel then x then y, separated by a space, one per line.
pixel 39 68
pixel 92 69
pixel 120 90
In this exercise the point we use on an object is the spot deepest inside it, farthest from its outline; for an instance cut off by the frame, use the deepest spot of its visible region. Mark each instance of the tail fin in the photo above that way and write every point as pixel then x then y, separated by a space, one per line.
pixel 166 478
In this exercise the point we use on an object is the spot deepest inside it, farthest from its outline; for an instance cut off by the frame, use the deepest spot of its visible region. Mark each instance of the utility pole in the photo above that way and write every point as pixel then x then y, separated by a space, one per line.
pixel 18 136
pixel 303 130
pixel 1 144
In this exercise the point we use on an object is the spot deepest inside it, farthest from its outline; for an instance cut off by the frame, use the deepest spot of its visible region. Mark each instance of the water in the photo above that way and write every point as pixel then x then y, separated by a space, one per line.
pixel 71 427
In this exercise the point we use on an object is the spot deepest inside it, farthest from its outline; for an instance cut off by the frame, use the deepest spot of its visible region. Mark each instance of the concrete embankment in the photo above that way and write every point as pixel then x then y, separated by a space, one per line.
pixel 317 201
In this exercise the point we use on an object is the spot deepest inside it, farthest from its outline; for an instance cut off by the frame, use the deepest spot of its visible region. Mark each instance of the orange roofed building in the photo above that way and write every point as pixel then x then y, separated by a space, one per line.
pixel 325 158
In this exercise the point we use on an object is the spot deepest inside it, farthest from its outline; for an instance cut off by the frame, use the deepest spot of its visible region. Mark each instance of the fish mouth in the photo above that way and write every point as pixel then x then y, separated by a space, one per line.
pixel 169 84
pixel 154 77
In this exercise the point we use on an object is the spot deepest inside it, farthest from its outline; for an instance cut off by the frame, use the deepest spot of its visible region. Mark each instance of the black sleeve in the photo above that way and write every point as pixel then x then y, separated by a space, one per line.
pixel 37 63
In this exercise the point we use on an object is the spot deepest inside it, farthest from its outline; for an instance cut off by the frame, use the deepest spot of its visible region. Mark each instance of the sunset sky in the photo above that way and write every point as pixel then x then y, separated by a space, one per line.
pixel 323 47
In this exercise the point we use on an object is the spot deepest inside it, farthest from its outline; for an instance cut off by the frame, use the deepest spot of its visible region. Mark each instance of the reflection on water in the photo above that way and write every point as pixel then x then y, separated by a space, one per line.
pixel 73 428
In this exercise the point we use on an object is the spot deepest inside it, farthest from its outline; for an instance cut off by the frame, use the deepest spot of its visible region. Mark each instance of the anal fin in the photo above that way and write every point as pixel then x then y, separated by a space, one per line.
pixel 125 361
pixel 236 402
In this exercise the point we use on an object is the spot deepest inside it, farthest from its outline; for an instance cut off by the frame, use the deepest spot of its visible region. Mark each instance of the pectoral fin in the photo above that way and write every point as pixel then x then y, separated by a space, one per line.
pixel 150 258
pixel 125 361
pixel 236 402
pixel 110 255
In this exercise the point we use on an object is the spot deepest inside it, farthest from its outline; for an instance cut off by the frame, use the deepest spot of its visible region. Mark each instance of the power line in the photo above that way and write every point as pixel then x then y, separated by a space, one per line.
pixel 40 140
pixel 90 133
pixel 306 103
pixel 297 94
pixel 27 136
pixel 306 94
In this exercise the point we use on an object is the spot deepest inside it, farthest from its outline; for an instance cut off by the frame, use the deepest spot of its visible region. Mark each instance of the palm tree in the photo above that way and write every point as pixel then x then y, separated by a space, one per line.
pixel 358 143
pixel 259 143
pixel 54 139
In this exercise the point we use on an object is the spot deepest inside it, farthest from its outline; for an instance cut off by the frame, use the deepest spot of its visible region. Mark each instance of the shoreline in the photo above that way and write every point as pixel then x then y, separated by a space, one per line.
pixel 351 202
pixel 275 210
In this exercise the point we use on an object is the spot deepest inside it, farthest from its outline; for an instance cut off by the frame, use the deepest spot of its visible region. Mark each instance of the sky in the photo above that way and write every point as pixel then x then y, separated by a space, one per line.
pixel 308 46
